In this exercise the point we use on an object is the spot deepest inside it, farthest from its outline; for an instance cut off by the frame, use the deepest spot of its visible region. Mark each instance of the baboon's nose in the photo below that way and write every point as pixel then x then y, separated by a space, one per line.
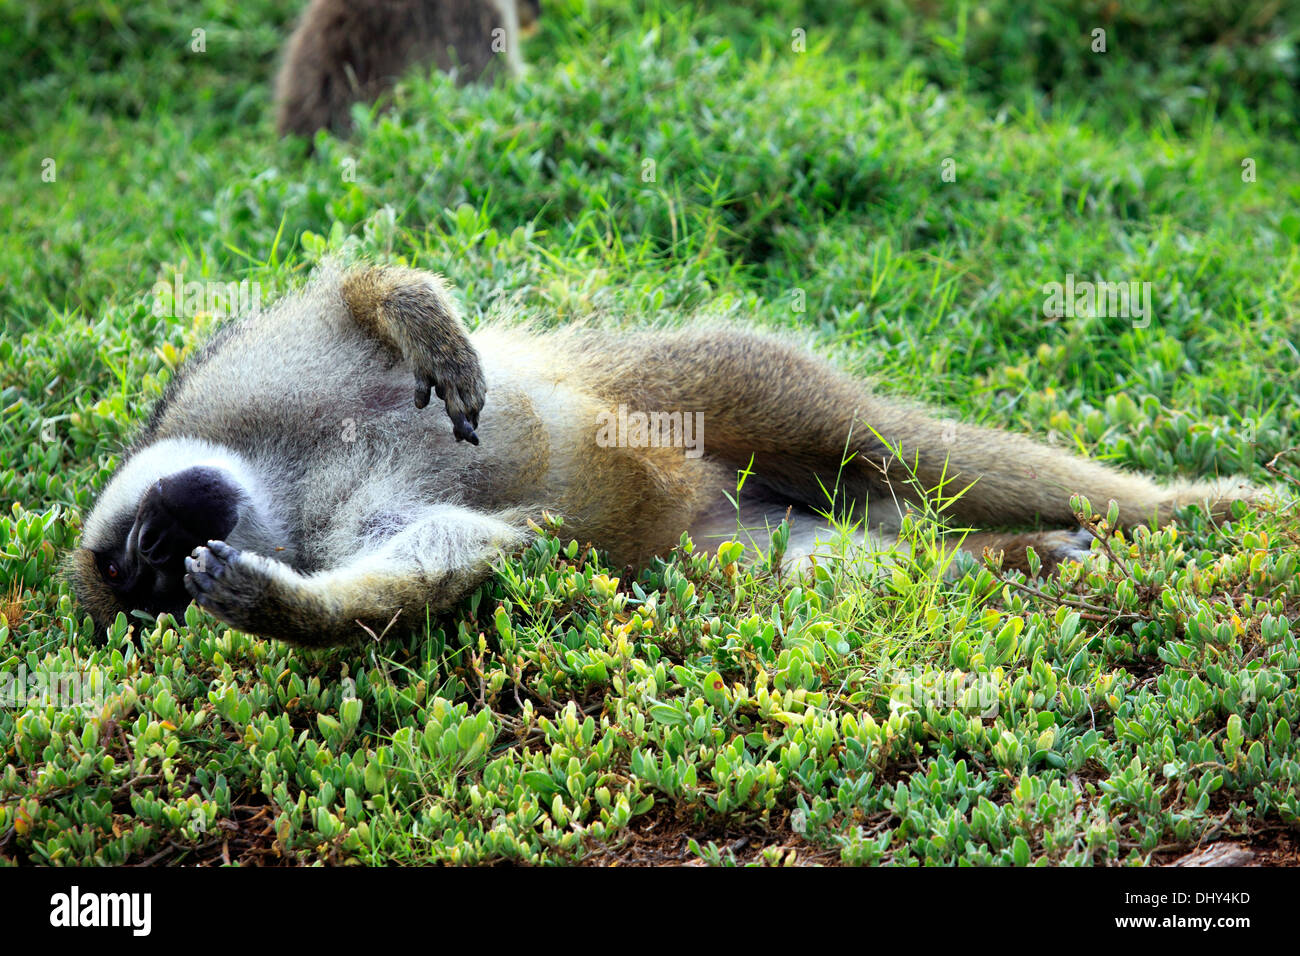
pixel 152 543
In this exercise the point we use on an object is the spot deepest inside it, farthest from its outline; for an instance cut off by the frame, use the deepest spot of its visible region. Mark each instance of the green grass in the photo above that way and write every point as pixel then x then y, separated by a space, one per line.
pixel 1140 705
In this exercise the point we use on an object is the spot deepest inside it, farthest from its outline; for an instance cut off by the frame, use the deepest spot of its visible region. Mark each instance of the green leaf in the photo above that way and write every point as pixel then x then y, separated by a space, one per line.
pixel 1020 851
pixel 375 776
pixel 543 783
pixel 1234 729
pixel 667 714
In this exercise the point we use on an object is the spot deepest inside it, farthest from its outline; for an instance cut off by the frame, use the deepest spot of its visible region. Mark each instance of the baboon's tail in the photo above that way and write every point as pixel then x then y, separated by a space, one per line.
pixel 811 429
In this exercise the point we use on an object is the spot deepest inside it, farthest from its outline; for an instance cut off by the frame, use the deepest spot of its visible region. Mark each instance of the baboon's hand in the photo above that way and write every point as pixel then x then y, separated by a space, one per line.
pixel 230 585
pixel 414 314
pixel 456 377
pixel 217 582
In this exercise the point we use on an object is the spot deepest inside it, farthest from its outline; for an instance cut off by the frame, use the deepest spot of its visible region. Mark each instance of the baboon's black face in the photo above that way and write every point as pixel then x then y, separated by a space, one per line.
pixel 144 569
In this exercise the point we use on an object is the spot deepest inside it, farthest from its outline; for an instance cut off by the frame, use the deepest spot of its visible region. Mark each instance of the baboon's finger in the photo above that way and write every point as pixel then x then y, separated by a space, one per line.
pixel 462 429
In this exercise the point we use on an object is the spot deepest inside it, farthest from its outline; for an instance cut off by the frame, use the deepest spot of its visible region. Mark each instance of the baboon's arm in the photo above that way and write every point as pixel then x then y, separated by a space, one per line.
pixel 414 314
pixel 432 563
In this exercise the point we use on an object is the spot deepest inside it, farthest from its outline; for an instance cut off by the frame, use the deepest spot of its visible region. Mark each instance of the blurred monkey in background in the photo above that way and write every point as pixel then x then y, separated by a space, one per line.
pixel 352 51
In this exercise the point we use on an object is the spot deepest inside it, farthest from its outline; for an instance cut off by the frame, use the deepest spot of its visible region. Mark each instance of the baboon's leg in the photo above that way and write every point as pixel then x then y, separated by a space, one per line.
pixel 813 537
pixel 511 23
pixel 1052 547
pixel 800 419
pixel 815 540
pixel 432 563
pixel 414 314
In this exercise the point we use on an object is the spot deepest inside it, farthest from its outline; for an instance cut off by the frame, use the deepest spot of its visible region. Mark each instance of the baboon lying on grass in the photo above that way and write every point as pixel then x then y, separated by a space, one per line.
pixel 293 483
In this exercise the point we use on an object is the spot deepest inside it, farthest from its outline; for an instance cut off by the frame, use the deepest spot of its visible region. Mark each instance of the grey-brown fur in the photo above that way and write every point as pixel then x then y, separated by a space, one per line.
pixel 349 51
pixel 357 504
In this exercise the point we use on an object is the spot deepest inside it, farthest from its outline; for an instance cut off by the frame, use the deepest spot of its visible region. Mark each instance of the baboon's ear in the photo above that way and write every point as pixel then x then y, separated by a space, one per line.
pixel 93 593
